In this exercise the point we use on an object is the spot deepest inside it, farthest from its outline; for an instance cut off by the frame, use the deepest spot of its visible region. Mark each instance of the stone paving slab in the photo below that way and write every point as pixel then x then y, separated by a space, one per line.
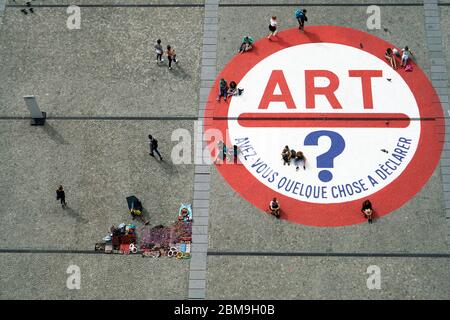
pixel 325 278
pixel 106 68
pixel 43 276
pixel 100 163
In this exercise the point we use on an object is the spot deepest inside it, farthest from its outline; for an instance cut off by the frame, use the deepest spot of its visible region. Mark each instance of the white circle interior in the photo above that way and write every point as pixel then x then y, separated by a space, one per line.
pixel 362 155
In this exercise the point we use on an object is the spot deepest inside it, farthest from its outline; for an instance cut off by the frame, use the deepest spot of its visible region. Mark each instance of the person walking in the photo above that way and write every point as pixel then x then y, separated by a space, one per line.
pixel 61 195
pixel 301 18
pixel 171 55
pixel 159 51
pixel 153 143
pixel 273 27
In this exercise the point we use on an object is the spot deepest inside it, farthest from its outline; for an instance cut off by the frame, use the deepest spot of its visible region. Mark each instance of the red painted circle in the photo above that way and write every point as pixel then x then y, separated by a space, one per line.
pixel 392 196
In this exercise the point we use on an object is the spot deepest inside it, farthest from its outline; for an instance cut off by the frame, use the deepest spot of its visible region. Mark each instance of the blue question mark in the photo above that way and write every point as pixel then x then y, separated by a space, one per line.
pixel 326 159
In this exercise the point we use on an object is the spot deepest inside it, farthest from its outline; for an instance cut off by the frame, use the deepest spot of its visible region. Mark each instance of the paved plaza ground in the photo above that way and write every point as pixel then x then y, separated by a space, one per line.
pixel 104 93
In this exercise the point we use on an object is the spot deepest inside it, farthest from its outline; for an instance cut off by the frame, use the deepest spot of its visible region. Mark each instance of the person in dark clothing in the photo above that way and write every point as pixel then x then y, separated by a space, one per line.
pixel 299 157
pixel 301 18
pixel 236 152
pixel 223 89
pixel 153 143
pixel 246 44
pixel 61 195
pixel 367 210
pixel 286 156
pixel 274 207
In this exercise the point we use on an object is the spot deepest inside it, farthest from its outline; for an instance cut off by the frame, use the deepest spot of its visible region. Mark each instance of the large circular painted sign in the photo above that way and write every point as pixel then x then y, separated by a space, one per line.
pixel 367 131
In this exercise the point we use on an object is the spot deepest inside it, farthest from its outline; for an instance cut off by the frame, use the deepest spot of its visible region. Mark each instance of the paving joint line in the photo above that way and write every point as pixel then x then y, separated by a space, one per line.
pixel 162 5
pixel 194 274
pixel 331 254
pixel 323 4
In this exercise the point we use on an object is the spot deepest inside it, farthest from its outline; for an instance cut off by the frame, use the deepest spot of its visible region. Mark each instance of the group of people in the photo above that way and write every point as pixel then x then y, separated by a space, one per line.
pixel 226 153
pixel 367 210
pixel 290 154
pixel 392 55
pixel 300 15
pixel 170 53
pixel 226 91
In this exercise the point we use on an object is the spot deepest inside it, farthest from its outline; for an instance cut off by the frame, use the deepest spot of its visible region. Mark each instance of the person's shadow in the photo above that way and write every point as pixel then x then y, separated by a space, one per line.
pixel 72 213
pixel 179 72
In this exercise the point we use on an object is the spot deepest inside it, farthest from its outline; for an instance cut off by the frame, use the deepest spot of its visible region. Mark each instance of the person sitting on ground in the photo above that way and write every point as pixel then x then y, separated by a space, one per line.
pixel 234 90
pixel 286 155
pixel 406 55
pixel 274 207
pixel 300 157
pixel 223 88
pixel 246 44
pixel 367 210
pixel 293 153
pixel 391 58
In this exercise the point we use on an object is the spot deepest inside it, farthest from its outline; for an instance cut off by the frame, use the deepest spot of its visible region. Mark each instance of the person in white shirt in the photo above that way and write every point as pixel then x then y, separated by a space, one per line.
pixel 159 51
pixel 406 55
pixel 273 27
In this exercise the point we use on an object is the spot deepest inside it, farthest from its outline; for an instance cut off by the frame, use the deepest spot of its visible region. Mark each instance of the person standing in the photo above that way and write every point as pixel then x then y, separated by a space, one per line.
pixel 159 51
pixel 223 89
pixel 153 143
pixel 61 195
pixel 301 18
pixel 171 55
pixel 272 27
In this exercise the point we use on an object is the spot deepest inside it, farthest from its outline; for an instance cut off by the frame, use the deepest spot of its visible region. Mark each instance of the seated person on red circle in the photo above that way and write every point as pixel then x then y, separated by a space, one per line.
pixel 234 90
pixel 223 89
pixel 367 210
pixel 246 44
pixel 274 207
